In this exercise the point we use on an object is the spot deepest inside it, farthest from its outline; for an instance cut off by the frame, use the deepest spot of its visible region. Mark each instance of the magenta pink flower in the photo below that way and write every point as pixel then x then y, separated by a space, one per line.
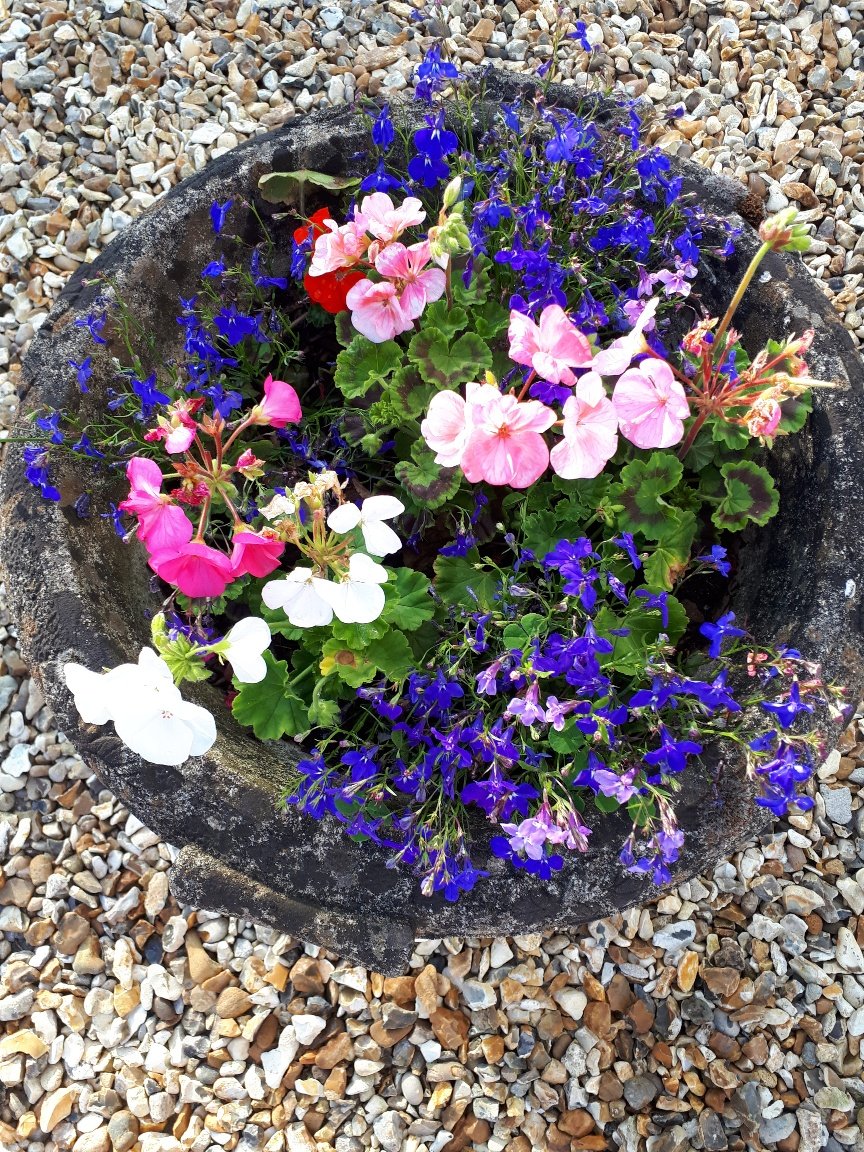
pixel 280 406
pixel 552 347
pixel 340 247
pixel 196 569
pixel 418 285
pixel 651 405
pixel 590 432
pixel 448 421
pixel 254 554
pixel 376 311
pixel 384 220
pixel 161 524
pixel 505 443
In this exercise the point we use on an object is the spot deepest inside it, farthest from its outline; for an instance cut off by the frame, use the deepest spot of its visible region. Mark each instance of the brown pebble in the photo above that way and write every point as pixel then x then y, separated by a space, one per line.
pixel 232 1002
pixel 597 1017
pixel 306 976
pixel 450 1028
pixel 576 1122
pixel 641 1016
pixel 721 982
pixel 619 993
pixel 337 1050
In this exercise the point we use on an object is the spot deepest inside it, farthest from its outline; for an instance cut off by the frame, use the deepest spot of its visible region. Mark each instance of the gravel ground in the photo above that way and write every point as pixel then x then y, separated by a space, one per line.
pixel 727 1015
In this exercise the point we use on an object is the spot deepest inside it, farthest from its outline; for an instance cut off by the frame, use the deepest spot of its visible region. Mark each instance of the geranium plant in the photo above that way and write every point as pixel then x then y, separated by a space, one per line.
pixel 425 484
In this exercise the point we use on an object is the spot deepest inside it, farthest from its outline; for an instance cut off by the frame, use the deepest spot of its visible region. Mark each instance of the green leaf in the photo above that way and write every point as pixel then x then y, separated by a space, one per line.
pixel 408 603
pixel 270 708
pixel 750 495
pixel 732 435
pixel 641 810
pixel 427 483
pixel 795 411
pixel 455 575
pixel 606 804
pixel 360 636
pixel 490 320
pixel 408 393
pixel 393 656
pixel 567 741
pixel 521 632
pixel 448 321
pixel 323 712
pixel 363 364
pixel 345 330
pixel 643 484
pixel 287 187
pixel 449 365
pixel 664 564
pixel 352 668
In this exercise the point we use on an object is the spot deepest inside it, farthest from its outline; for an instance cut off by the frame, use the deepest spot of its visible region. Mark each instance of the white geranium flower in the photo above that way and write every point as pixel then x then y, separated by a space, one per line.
pixel 358 598
pixel 149 714
pixel 297 594
pixel 243 648
pixel 380 538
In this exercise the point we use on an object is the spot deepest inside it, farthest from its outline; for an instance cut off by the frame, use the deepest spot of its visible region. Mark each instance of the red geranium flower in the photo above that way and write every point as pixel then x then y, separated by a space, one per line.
pixel 331 289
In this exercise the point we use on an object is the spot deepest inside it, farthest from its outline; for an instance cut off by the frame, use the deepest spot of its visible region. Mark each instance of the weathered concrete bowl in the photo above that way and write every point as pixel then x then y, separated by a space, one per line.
pixel 78 593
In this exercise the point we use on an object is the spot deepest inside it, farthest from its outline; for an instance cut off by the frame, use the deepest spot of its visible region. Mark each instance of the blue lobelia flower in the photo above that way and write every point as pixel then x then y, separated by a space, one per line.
pixel 218 213
pixel 214 269
pixel 380 180
pixel 235 326
pixel 149 395
pixel 383 132
pixel 83 372
pixel 717 633
pixel 672 753
pixel 36 470
pixel 787 710
pixel 51 424
pixel 716 559
pixel 261 279
pixel 432 73
pixel 94 325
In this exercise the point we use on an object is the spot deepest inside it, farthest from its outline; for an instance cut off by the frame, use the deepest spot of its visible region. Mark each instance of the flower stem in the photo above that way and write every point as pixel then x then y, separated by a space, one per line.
pixel 736 299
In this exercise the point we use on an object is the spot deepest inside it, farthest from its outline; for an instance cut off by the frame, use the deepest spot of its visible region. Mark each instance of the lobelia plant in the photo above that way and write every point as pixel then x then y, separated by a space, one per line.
pixel 425 485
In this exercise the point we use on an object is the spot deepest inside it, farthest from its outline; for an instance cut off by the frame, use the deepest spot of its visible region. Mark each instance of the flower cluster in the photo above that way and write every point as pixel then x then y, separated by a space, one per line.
pixel 421 480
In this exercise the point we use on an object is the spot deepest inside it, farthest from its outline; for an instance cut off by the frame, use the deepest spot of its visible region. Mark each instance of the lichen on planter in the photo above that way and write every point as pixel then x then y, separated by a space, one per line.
pixel 79 593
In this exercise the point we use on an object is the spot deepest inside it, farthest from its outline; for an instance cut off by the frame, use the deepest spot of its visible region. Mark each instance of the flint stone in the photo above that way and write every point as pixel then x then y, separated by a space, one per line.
pixel 302 876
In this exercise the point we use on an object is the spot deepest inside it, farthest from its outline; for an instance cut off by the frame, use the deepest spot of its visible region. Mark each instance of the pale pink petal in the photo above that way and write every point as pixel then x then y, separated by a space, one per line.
pixel 445 428
pixel 393 262
pixel 590 439
pixel 376 312
pixel 651 405
pixel 523 335
pixel 179 439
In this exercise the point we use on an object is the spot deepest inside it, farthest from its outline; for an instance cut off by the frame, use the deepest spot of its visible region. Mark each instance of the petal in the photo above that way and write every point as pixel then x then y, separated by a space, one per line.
pixel 380 539
pixel 89 691
pixel 248 667
pixel 381 508
pixel 144 473
pixel 309 609
pixel 344 518
pixel 156 671
pixel 365 570
pixel 251 634
pixel 202 725
pixel 156 735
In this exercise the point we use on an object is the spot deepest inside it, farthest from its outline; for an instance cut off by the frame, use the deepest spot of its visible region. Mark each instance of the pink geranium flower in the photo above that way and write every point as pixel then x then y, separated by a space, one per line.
pixel 376 311
pixel 764 416
pixel 448 421
pixel 384 220
pixel 418 284
pixel 552 347
pixel 340 247
pixel 590 432
pixel 254 554
pixel 505 443
pixel 651 405
pixel 280 406
pixel 196 569
pixel 161 524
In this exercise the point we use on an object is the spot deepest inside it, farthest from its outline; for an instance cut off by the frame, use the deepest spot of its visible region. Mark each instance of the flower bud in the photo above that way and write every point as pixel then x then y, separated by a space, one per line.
pixel 452 192
pixel 449 238
pixel 782 234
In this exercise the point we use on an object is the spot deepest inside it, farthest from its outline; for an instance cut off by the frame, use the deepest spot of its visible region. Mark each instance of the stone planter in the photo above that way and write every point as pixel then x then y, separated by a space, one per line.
pixel 78 593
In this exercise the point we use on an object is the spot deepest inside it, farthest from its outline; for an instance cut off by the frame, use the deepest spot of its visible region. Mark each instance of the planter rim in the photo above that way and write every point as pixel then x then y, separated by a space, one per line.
pixel 800 578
